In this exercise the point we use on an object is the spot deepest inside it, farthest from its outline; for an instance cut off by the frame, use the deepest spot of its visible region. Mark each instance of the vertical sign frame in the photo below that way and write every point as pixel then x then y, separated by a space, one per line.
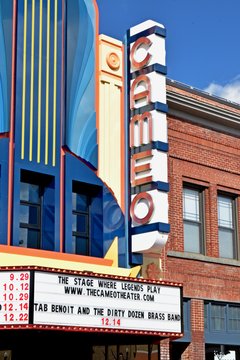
pixel 148 141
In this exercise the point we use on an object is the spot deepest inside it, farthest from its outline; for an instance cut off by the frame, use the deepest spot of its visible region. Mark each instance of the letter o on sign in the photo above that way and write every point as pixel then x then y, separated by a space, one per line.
pixel 148 201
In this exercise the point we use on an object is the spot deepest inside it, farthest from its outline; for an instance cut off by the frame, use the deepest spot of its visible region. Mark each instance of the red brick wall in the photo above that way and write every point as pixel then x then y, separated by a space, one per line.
pixel 164 349
pixel 196 350
pixel 205 157
pixel 202 156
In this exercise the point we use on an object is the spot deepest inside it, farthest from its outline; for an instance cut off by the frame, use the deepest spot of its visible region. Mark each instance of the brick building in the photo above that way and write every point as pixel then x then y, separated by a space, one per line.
pixel 204 208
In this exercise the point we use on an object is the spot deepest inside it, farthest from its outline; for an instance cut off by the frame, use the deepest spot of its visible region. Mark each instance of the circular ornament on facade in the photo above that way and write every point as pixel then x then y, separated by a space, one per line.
pixel 113 61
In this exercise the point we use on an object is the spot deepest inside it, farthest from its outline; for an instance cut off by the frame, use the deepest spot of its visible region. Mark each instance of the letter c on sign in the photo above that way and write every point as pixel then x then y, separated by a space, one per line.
pixel 142 197
pixel 143 41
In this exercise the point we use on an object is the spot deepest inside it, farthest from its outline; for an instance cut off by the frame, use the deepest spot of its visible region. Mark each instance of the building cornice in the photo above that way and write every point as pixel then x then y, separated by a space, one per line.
pixel 203 109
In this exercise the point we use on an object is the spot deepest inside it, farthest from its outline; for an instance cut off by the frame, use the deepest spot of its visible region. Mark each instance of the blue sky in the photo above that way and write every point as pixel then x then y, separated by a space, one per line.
pixel 202 43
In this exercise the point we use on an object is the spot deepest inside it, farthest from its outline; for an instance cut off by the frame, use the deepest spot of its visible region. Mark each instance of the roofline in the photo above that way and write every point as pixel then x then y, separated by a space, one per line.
pixel 204 113
pixel 202 93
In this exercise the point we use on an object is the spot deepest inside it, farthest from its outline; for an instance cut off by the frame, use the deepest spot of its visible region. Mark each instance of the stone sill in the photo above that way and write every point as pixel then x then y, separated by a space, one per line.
pixel 200 257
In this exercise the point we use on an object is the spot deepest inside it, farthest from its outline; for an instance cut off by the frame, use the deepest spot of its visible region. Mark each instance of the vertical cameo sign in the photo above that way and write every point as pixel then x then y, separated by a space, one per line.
pixel 146 74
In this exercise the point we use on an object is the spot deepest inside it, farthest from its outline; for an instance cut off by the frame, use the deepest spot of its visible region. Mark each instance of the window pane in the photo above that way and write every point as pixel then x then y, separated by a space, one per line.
pixel 234 318
pixel 218 317
pixel 192 237
pixel 80 245
pixel 79 223
pixel 186 314
pixel 23 237
pixel 226 241
pixel 206 316
pixel 29 238
pixel 29 215
pixel 191 204
pixel 226 233
pixel 33 239
pixel 29 192
pixel 225 212
pixel 79 202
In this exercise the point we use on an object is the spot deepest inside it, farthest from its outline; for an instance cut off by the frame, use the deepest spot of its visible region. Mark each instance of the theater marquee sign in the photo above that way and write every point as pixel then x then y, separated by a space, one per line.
pixel 43 299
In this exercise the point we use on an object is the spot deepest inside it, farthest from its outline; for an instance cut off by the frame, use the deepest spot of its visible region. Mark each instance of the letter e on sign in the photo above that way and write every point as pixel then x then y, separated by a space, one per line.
pixel 140 90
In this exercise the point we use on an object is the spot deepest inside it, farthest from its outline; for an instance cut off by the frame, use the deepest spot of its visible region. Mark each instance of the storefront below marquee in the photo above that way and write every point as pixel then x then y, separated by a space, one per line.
pixel 52 345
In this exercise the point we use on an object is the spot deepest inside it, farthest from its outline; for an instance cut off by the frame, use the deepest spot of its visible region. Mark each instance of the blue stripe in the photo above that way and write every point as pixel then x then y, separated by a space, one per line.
pixel 153 30
pixel 136 259
pixel 155 145
pixel 154 185
pixel 19 65
pixel 5 64
pixel 51 84
pixel 35 91
pixel 161 227
pixel 59 75
pixel 160 145
pixel 158 68
pixel 149 107
pixel 28 80
pixel 43 82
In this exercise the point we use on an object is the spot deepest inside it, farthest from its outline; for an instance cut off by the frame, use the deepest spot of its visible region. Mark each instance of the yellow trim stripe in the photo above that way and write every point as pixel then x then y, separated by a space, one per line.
pixel 24 78
pixel 32 83
pixel 47 83
pixel 39 84
pixel 54 85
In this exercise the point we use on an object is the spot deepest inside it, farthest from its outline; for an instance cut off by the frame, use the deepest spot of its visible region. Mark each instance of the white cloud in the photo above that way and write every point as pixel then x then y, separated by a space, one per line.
pixel 229 91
